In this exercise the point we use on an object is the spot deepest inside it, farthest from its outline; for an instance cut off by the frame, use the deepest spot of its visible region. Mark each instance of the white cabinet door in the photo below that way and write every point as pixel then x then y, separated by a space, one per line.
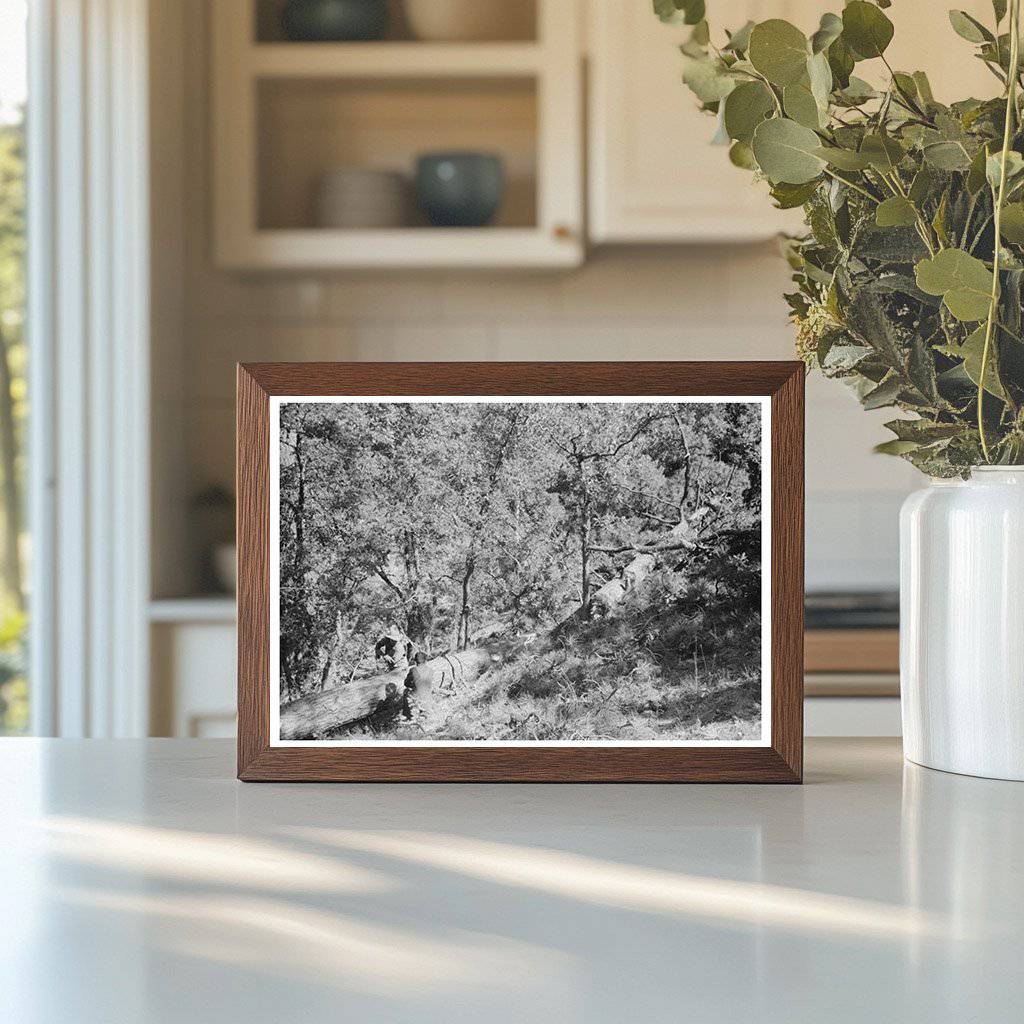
pixel 193 679
pixel 654 177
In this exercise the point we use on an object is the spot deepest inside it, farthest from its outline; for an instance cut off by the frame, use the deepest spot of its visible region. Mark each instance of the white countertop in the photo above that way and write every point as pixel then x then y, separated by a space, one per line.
pixel 140 882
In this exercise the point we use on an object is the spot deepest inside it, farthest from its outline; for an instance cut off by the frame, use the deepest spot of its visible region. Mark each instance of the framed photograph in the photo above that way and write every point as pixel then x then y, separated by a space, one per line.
pixel 578 572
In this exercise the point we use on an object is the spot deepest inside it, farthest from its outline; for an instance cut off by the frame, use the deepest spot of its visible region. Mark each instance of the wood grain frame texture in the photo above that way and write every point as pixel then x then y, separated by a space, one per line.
pixel 782 761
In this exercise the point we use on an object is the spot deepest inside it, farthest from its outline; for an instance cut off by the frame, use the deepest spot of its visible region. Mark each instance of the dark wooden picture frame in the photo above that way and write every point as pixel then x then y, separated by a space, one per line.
pixel 781 761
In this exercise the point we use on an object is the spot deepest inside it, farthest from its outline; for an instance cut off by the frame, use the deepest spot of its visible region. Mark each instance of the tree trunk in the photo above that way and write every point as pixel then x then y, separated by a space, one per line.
pixel 316 713
pixel 462 640
pixel 585 527
pixel 300 514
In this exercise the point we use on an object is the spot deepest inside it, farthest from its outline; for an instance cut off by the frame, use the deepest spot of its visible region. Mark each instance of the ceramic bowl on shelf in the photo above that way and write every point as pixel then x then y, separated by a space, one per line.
pixel 460 189
pixel 334 21
pixel 362 197
pixel 470 20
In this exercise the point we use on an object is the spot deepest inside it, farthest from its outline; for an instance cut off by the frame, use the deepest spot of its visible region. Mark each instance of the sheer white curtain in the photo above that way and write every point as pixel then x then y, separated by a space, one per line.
pixel 88 280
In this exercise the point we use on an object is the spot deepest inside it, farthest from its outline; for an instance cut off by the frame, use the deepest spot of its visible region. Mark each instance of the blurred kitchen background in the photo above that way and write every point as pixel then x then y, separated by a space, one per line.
pixel 292 218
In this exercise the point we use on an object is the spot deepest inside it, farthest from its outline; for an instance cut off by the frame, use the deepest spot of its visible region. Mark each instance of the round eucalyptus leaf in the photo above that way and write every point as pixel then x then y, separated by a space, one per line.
pixel 665 10
pixel 857 91
pixel 829 30
pixel 745 108
pixel 1012 224
pixel 693 11
pixel 883 152
pixel 972 352
pixel 976 173
pixel 963 281
pixel 739 41
pixel 895 212
pixel 844 159
pixel 779 51
pixel 690 12
pixel 801 106
pixel 707 79
pixel 840 61
pixel 921 187
pixel 924 87
pixel 969 28
pixel 994 166
pixel 741 155
pixel 947 156
pixel 819 74
pixel 788 197
pixel 866 29
pixel 721 136
pixel 787 152
pixel 905 84
pixel 895 447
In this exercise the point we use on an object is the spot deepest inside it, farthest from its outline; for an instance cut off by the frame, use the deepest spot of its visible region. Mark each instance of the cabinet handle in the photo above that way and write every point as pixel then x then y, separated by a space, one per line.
pixel 562 232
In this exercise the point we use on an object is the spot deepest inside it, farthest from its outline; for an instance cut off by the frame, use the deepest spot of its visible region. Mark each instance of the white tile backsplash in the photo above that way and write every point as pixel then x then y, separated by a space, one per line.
pixel 853 539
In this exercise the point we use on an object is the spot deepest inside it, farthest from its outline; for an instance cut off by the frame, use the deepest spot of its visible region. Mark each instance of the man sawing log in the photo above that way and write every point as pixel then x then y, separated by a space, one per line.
pixel 316 713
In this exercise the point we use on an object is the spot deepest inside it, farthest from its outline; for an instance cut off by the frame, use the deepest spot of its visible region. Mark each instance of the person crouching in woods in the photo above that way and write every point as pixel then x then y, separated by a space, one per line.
pixel 419 688
pixel 394 649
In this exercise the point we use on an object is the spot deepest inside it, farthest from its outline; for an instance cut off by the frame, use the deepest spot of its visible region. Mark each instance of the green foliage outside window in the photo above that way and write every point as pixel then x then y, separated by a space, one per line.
pixel 13 411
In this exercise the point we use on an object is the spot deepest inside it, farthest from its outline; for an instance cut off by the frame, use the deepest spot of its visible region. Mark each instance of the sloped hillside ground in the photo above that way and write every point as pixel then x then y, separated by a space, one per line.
pixel 673 664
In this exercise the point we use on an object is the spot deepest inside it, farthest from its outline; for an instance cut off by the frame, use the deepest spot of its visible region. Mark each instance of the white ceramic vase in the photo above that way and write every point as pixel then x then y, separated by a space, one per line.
pixel 962 624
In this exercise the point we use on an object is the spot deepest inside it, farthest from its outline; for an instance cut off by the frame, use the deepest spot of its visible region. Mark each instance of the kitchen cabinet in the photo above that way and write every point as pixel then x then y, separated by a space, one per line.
pixel 287 114
pixel 193 667
pixel 654 177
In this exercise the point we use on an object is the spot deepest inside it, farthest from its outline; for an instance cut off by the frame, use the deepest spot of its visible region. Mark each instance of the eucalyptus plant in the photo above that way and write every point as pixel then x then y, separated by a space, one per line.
pixel 910 278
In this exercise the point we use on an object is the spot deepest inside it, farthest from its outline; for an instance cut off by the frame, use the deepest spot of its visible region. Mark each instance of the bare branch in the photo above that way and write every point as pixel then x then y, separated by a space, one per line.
pixel 640 428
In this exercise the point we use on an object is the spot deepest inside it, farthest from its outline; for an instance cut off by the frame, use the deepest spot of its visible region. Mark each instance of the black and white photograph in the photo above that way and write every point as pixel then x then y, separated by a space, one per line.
pixel 519 571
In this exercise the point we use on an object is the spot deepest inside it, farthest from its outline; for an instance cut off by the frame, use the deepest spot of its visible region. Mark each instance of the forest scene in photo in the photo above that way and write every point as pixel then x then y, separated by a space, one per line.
pixel 520 571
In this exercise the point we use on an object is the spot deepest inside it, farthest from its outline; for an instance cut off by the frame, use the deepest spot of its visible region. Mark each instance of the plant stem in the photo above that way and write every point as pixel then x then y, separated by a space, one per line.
pixel 894 183
pixel 775 98
pixel 853 185
pixel 908 100
pixel 970 215
pixel 1011 109
pixel 981 231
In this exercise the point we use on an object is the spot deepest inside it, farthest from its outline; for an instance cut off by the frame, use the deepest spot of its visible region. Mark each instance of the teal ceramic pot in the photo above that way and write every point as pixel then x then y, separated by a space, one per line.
pixel 460 189
pixel 334 21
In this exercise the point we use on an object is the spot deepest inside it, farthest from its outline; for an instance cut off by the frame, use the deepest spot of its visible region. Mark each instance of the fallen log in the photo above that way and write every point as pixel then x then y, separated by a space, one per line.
pixel 310 716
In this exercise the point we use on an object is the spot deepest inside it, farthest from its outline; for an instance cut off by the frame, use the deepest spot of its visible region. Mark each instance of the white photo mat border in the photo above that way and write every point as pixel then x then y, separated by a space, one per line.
pixel 274 682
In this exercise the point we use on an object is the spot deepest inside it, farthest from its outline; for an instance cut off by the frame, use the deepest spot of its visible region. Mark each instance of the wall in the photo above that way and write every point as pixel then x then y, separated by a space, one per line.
pixel 664 303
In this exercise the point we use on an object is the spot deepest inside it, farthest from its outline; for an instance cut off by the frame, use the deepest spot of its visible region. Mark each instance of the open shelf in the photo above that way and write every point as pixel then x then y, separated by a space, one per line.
pixel 308 127
pixel 406 248
pixel 520 22
pixel 392 60
pixel 207 608
pixel 286 114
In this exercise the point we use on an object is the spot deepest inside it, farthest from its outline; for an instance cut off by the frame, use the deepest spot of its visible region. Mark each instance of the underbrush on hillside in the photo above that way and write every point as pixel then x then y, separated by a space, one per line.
pixel 675 662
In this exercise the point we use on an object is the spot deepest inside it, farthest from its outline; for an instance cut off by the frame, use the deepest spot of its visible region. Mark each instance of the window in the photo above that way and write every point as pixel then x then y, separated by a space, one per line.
pixel 14 691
